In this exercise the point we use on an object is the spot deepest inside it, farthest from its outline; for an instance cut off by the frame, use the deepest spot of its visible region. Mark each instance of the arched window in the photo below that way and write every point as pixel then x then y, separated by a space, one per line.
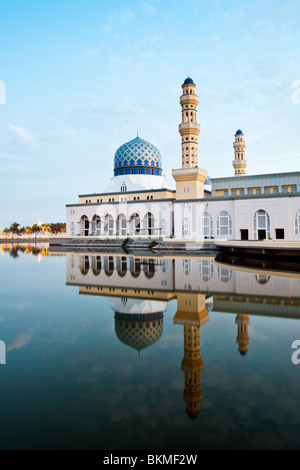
pixel 108 225
pixel 84 226
pixel 123 187
pixel 261 225
pixel 149 269
pixel 297 223
pixel 186 266
pixel 121 265
pixel 96 265
pixel 148 224
pixel 205 225
pixel 134 224
pixel 135 267
pixel 262 278
pixel 121 226
pixel 186 227
pixel 224 274
pixel 72 229
pixel 206 268
pixel 224 224
pixel 108 265
pixel 84 265
pixel 164 265
pixel 96 225
pixel 163 227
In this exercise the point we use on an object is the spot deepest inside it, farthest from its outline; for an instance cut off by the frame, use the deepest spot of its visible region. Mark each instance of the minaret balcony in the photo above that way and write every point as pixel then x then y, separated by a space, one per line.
pixel 186 125
pixel 189 98
pixel 181 172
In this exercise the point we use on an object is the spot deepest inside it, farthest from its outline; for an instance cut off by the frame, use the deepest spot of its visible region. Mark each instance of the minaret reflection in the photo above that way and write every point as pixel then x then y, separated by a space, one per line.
pixel 242 338
pixel 192 314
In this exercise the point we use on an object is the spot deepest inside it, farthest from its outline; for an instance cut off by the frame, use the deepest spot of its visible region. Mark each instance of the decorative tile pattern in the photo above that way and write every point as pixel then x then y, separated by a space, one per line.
pixel 136 332
pixel 137 152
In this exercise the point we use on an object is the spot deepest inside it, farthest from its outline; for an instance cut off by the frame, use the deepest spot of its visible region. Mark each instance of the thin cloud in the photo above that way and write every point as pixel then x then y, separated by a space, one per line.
pixel 20 133
pixel 92 52
pixel 20 341
pixel 127 15
pixel 148 8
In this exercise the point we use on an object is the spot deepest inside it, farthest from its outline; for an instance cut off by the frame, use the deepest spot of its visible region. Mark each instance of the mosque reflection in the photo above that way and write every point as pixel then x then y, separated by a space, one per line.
pixel 139 288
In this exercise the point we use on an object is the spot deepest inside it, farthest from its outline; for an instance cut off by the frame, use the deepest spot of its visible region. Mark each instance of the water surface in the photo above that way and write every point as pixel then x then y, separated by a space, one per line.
pixel 118 352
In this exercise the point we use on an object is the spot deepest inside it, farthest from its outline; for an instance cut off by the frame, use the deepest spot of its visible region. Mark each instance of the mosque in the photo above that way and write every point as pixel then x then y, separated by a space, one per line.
pixel 138 203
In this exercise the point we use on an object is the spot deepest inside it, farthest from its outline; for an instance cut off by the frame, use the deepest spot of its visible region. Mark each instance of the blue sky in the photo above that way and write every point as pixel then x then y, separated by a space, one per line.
pixel 82 76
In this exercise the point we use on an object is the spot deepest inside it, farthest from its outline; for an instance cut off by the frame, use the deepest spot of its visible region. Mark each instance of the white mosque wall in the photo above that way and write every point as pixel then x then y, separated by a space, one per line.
pixel 161 218
pixel 241 214
pixel 224 219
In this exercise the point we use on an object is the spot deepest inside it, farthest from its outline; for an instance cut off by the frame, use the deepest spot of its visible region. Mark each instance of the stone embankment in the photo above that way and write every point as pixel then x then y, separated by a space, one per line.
pixel 130 245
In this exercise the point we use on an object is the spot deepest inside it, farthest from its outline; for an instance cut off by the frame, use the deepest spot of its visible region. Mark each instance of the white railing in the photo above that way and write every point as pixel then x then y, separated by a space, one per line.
pixel 189 124
pixel 189 170
pixel 239 161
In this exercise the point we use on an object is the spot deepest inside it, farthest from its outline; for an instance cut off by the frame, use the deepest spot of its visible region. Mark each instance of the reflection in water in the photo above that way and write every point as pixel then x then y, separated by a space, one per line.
pixel 150 344
pixel 242 339
pixel 138 322
pixel 14 249
pixel 138 290
pixel 192 314
pixel 139 331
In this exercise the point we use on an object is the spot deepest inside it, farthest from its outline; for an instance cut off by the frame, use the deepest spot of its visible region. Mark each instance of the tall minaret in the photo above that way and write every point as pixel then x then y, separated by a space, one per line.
pixel 190 178
pixel 240 162
pixel 189 129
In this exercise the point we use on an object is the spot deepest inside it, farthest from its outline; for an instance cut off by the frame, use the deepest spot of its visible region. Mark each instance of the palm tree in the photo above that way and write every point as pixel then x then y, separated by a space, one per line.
pixel 14 228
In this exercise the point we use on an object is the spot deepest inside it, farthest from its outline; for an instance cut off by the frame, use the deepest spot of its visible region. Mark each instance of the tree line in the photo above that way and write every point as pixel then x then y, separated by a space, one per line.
pixel 14 250
pixel 43 229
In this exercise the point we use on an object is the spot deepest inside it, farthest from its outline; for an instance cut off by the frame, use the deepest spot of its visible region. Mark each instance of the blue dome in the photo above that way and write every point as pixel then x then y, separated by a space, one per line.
pixel 238 132
pixel 187 81
pixel 207 182
pixel 139 331
pixel 137 157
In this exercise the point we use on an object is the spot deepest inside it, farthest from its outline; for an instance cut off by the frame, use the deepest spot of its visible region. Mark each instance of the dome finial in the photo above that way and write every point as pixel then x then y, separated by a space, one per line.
pixel 137 133
pixel 188 81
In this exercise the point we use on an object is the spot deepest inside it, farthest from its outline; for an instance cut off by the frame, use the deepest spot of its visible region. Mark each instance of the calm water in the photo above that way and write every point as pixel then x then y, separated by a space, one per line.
pixel 109 353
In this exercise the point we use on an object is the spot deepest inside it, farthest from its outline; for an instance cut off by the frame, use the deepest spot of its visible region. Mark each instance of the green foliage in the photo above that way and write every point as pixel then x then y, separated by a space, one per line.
pixel 14 228
pixel 35 228
pixel 58 227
